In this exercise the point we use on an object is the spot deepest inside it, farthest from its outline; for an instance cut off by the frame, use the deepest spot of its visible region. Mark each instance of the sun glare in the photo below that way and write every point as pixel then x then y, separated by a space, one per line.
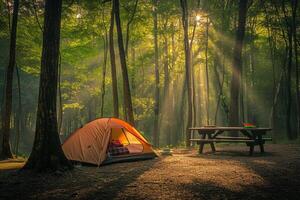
pixel 78 16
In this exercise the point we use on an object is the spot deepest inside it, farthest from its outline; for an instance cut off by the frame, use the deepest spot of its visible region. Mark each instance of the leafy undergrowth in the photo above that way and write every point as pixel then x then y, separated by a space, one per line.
pixel 228 174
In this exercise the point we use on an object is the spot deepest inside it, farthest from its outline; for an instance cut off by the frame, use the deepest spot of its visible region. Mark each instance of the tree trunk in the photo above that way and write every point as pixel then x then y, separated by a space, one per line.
pixel 7 106
pixel 166 96
pixel 105 40
pixel 156 104
pixel 60 114
pixel 289 87
pixel 294 32
pixel 126 88
pixel 234 119
pixel 206 73
pixel 289 43
pixel 19 115
pixel 221 96
pixel 128 27
pixel 194 111
pixel 187 52
pixel 272 47
pixel 47 154
pixel 166 68
pixel 113 64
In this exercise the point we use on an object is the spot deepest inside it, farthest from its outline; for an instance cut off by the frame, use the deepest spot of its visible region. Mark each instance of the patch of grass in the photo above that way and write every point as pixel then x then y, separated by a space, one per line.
pixel 15 163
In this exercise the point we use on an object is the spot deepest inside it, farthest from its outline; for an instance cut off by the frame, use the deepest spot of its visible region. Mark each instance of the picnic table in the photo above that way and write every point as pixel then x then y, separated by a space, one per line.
pixel 213 134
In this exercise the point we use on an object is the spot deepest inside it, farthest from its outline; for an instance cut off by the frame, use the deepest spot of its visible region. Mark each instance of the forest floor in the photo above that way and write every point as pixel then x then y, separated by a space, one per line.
pixel 228 174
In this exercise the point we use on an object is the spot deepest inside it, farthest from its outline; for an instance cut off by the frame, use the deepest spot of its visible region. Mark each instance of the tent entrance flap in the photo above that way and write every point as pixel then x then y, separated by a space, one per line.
pixel 122 140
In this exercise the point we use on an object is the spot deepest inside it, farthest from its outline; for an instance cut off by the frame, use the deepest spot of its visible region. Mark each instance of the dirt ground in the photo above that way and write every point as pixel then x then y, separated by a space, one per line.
pixel 228 174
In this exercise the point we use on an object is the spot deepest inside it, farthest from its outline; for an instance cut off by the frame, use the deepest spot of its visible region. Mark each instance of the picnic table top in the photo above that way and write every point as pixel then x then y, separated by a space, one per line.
pixel 218 128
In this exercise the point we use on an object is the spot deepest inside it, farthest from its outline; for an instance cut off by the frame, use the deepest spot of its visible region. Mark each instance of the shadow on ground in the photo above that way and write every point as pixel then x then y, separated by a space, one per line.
pixel 228 174
pixel 84 182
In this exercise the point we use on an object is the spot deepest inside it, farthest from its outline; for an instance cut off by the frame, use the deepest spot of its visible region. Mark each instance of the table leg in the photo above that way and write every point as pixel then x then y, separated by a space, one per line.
pixel 261 145
pixel 212 145
pixel 252 136
pixel 251 149
pixel 262 150
pixel 201 146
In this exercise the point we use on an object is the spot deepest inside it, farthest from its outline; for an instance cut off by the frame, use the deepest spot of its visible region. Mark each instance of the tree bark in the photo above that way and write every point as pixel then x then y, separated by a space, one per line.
pixel 187 52
pixel 156 68
pixel 221 96
pixel 60 113
pixel 126 88
pixel 113 63
pixel 289 87
pixel 105 39
pixel 47 154
pixel 166 95
pixel 272 47
pixel 234 119
pixel 7 104
pixel 128 27
pixel 294 33
pixel 206 73
pixel 20 113
pixel 289 44
pixel 194 107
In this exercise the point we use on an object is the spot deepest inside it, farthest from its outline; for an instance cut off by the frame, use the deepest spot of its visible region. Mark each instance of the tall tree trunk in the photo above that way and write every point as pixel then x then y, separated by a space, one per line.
pixel 128 27
pixel 113 63
pixel 126 88
pixel 187 52
pixel 105 40
pixel 193 68
pixel 294 32
pixel 272 47
pixel 7 106
pixel 20 113
pixel 47 154
pixel 166 98
pixel 275 100
pixel 166 68
pixel 234 119
pixel 206 72
pixel 289 130
pixel 156 68
pixel 194 107
pixel 60 114
pixel 289 29
pixel 221 96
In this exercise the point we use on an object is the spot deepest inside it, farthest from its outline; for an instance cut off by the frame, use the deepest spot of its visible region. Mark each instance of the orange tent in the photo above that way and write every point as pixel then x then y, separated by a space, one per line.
pixel 107 140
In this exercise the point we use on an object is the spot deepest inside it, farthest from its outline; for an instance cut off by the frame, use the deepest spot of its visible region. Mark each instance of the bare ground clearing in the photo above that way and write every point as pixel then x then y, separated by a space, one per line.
pixel 228 174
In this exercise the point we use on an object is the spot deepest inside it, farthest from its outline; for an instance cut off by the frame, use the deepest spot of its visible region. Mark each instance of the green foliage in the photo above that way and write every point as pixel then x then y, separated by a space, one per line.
pixel 84 25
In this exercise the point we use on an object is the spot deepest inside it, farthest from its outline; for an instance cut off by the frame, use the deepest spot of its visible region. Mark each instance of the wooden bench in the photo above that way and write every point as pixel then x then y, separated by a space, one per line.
pixel 217 140
pixel 211 135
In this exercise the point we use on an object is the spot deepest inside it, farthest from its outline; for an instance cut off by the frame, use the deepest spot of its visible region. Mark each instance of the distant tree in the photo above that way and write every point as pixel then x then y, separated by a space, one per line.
pixel 47 154
pixel 126 88
pixel 295 26
pixel 19 122
pixel 206 71
pixel 105 41
pixel 185 23
pixel 234 119
pixel 156 69
pixel 113 63
pixel 129 22
pixel 7 106
pixel 289 26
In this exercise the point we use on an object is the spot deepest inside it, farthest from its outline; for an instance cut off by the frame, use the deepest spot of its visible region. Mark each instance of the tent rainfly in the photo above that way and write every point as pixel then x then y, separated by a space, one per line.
pixel 107 140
